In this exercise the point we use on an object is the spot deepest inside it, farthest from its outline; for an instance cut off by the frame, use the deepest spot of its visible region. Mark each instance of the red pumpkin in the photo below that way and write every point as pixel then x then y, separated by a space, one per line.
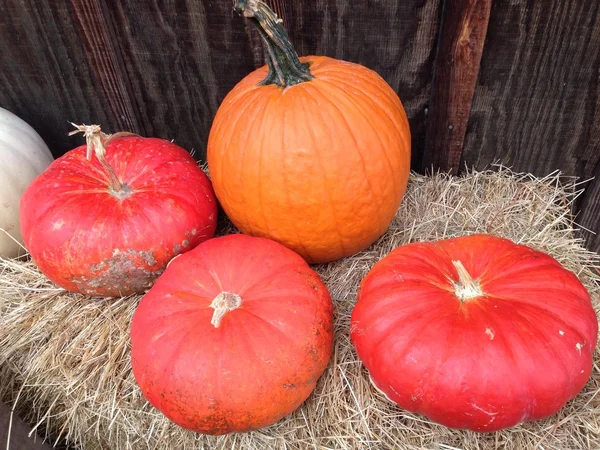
pixel 108 226
pixel 233 336
pixel 475 332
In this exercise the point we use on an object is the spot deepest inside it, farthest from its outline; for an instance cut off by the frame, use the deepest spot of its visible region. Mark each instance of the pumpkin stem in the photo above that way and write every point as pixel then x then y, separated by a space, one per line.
pixel 96 142
pixel 285 68
pixel 222 304
pixel 466 288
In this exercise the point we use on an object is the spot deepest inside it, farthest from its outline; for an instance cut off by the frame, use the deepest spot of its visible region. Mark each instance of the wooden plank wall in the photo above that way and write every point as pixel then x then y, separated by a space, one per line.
pixel 483 81
pixel 536 106
pixel 162 68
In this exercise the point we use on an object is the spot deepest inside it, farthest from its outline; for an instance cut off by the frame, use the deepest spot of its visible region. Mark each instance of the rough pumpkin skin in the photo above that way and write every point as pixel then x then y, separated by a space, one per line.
pixel 264 358
pixel 320 166
pixel 511 339
pixel 87 240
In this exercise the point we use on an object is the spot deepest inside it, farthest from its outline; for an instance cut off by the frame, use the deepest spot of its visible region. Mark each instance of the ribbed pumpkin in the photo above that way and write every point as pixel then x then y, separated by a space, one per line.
pixel 312 152
pixel 475 332
pixel 233 336
pixel 108 225
pixel 23 156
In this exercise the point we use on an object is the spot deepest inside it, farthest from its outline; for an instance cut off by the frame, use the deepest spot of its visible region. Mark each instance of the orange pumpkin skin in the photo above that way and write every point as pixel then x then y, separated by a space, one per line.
pixel 319 166
pixel 264 358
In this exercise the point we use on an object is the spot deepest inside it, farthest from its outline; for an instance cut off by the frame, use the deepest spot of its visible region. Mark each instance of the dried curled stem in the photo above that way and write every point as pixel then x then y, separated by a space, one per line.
pixel 97 141
pixel 222 304
pixel 467 288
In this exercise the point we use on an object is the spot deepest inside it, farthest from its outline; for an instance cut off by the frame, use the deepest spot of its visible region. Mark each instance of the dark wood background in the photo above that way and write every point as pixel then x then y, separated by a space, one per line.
pixel 515 82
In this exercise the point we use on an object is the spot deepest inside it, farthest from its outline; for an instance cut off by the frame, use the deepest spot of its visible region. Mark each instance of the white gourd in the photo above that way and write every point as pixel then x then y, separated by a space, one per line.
pixel 23 156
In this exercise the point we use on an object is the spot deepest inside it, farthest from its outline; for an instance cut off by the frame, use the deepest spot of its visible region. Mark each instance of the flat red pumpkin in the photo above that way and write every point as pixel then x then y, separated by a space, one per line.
pixel 475 332
pixel 91 233
pixel 233 336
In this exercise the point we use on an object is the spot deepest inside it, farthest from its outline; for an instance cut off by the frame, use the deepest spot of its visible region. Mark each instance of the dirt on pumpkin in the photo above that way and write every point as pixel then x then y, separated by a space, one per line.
pixel 64 358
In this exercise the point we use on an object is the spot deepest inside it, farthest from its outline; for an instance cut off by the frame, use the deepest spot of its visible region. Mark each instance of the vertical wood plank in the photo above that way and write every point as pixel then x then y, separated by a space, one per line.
pixel 44 74
pixel 535 106
pixel 103 63
pixel 461 42
pixel 181 58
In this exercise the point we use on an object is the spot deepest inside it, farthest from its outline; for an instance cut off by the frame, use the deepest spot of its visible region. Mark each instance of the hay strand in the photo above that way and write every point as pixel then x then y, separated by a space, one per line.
pixel 67 356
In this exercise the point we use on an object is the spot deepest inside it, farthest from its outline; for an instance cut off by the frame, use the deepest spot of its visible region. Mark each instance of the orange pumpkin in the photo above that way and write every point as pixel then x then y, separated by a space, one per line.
pixel 312 152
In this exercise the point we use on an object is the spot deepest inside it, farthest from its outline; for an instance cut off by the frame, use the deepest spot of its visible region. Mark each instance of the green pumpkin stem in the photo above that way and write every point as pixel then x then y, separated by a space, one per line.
pixel 96 142
pixel 285 68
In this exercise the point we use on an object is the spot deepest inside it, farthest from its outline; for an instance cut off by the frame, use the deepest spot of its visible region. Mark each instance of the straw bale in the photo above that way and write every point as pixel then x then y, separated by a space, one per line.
pixel 64 358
